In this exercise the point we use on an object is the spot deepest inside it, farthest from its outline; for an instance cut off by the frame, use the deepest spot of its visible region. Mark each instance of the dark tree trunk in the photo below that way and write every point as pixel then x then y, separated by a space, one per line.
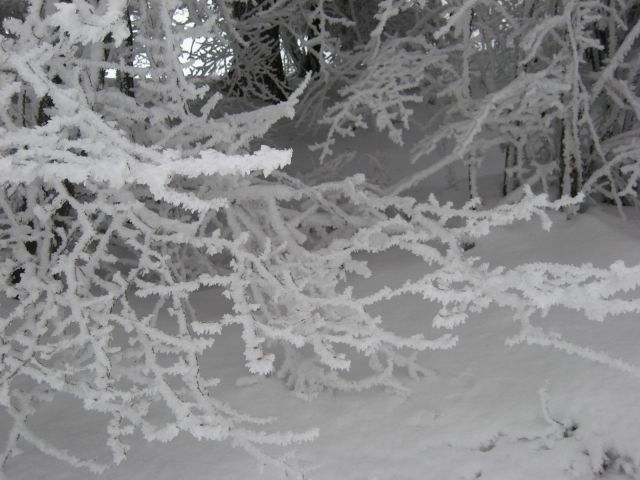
pixel 126 79
pixel 509 181
pixel 258 68
pixel 568 170
pixel 311 61
pixel 305 59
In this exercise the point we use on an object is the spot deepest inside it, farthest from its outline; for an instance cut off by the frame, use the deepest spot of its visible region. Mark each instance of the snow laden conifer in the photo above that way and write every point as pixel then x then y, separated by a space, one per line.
pixel 554 85
pixel 125 192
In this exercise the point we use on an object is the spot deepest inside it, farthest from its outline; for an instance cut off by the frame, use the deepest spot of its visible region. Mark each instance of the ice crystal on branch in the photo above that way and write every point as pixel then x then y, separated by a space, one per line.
pixel 553 85
pixel 125 194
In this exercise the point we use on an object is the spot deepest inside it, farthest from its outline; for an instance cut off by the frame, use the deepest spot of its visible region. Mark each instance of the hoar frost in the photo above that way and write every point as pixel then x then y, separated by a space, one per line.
pixel 120 202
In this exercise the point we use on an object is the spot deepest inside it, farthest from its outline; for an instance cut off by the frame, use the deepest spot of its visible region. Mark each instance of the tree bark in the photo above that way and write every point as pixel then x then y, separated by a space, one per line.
pixel 258 69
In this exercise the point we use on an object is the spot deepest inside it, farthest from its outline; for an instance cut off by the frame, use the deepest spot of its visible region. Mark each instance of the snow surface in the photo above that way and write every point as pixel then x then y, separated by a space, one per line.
pixel 483 410
pixel 478 413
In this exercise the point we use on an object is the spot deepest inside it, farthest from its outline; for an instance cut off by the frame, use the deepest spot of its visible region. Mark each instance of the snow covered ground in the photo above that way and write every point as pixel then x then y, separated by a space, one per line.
pixel 483 410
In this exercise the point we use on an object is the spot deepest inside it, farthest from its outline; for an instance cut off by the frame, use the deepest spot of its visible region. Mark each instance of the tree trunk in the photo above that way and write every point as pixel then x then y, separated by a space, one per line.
pixel 257 69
